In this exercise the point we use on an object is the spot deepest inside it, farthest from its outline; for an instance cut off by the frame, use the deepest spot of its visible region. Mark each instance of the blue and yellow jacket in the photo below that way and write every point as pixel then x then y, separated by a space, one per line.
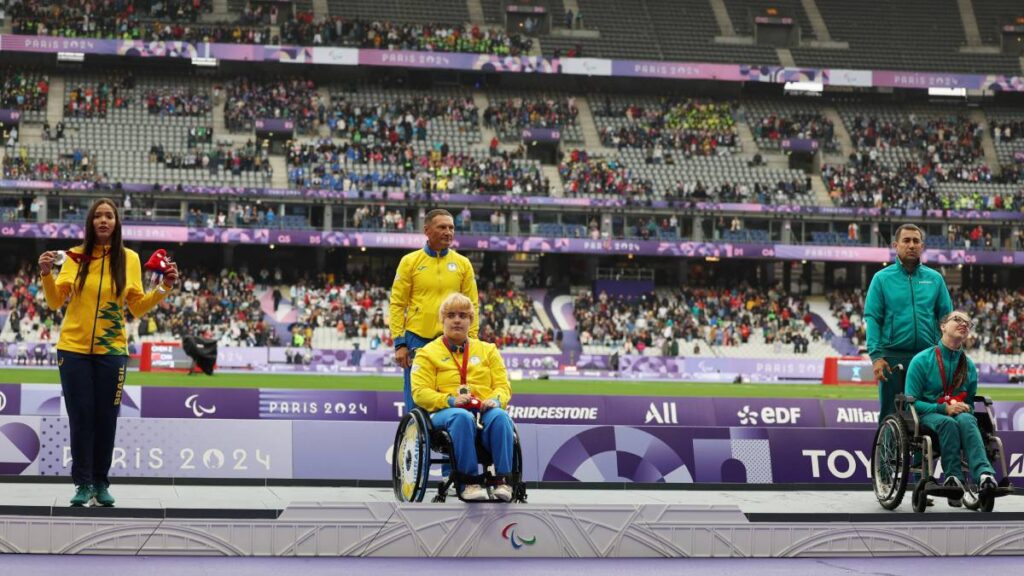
pixel 924 380
pixel 424 279
pixel 436 379
pixel 94 322
pixel 902 310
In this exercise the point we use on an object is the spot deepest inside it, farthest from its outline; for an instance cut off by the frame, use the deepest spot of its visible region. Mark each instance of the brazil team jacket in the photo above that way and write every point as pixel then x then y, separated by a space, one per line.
pixel 436 378
pixel 424 279
pixel 94 322
pixel 902 310
pixel 924 379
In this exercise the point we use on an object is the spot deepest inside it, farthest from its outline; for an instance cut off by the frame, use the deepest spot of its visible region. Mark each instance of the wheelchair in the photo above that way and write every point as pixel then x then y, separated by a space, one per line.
pixel 903 447
pixel 416 443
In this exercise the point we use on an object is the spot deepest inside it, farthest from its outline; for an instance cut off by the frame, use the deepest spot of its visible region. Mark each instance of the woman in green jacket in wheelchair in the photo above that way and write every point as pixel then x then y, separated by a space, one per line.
pixel 943 382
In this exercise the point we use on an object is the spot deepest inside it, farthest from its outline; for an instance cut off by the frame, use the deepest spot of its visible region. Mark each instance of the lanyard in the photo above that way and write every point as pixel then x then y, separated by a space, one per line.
pixel 464 365
pixel 950 387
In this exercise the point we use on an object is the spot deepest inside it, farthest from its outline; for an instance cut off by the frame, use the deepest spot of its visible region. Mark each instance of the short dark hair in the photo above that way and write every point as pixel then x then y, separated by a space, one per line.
pixel 435 213
pixel 911 227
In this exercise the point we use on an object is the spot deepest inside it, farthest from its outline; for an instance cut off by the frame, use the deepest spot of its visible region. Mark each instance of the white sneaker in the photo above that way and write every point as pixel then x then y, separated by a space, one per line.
pixel 474 493
pixel 503 492
pixel 987 482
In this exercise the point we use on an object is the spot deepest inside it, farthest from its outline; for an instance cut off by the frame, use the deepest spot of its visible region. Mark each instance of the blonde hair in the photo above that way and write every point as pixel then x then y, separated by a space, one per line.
pixel 455 300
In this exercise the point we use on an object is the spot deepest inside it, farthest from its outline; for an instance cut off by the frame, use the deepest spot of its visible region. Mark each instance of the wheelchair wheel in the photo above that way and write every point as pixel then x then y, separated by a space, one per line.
pixel 410 458
pixel 919 498
pixel 890 462
pixel 518 486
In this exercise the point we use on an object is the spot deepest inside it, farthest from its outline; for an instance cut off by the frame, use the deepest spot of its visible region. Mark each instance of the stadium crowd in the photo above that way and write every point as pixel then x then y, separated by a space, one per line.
pixel 718 316
pixel 397 120
pixel 511 115
pixel 248 99
pixel 690 126
pixel 237 308
pixel 327 164
pixel 998 315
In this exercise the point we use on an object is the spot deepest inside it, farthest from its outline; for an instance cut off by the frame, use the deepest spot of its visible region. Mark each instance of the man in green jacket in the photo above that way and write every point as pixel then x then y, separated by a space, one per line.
pixel 902 311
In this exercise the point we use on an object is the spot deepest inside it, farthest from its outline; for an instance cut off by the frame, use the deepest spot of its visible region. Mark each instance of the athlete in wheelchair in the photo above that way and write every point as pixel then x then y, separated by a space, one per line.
pixel 938 406
pixel 461 388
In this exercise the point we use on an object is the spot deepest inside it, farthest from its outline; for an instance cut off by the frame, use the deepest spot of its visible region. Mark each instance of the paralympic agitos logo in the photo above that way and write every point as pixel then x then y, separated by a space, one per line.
pixel 509 533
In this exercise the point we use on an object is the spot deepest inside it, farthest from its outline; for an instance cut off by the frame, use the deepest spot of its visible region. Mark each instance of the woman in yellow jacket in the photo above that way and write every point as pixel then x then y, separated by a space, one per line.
pixel 448 375
pixel 98 281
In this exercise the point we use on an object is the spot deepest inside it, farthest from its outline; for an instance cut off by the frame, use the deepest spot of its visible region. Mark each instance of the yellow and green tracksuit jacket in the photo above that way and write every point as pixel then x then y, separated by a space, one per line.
pixel 94 322
pixel 436 379
pixel 424 279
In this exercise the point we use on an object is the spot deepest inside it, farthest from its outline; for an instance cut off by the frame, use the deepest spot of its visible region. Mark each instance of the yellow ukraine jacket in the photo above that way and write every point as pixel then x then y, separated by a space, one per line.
pixel 94 322
pixel 435 374
pixel 424 279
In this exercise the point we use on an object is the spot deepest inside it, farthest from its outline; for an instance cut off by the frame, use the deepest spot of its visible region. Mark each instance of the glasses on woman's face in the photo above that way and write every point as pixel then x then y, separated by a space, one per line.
pixel 961 321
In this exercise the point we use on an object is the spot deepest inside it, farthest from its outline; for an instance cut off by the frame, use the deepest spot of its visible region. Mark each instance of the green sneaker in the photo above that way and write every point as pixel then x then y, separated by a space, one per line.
pixel 103 497
pixel 83 495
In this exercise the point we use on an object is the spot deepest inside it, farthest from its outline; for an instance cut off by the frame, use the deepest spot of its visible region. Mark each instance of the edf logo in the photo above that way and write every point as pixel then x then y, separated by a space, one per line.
pixel 768 415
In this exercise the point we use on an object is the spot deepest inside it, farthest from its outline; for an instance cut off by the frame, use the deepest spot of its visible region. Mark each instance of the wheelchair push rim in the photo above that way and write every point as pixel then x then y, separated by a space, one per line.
pixel 890 462
pixel 410 460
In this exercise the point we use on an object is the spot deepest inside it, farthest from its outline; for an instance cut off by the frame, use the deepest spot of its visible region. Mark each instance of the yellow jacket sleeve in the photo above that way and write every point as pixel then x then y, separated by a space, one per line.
pixel 57 289
pixel 499 378
pixel 399 303
pixel 424 384
pixel 470 291
pixel 135 297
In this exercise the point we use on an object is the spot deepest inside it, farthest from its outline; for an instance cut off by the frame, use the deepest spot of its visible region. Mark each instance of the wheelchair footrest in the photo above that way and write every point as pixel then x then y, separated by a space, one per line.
pixel 1003 491
pixel 940 491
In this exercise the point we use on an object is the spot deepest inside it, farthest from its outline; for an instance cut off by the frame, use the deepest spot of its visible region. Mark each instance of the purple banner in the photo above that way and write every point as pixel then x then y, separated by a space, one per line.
pixel 10 399
pixel 319 404
pixel 205 403
pixel 400 196
pixel 800 145
pixel 526 9
pixel 274 125
pixel 803 456
pixel 575 453
pixel 10 116
pixel 850 413
pixel 511 64
pixel 459 61
pixel 170 448
pixel 542 135
pixel 688 368
pixel 765 412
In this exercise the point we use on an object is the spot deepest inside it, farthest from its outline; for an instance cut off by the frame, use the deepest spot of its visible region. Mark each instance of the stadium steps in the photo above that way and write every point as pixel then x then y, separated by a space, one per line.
pixel 817 22
pixel 987 145
pixel 220 7
pixel 842 134
pixel 820 307
pixel 321 10
pixel 785 57
pixel 722 18
pixel 970 22
pixel 55 100
pixel 821 197
pixel 591 135
pixel 551 173
pixel 748 144
pixel 476 12
pixel 538 297
pixel 280 167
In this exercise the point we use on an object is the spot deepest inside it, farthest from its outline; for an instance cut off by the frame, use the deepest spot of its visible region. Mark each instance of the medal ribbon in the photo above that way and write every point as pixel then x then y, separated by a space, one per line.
pixel 948 388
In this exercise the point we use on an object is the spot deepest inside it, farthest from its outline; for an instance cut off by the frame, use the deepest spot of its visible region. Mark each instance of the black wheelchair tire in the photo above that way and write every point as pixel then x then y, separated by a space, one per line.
pixel 422 477
pixel 890 497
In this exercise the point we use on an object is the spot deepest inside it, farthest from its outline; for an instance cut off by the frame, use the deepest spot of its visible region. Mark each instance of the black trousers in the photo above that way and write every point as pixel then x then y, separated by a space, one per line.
pixel 92 386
